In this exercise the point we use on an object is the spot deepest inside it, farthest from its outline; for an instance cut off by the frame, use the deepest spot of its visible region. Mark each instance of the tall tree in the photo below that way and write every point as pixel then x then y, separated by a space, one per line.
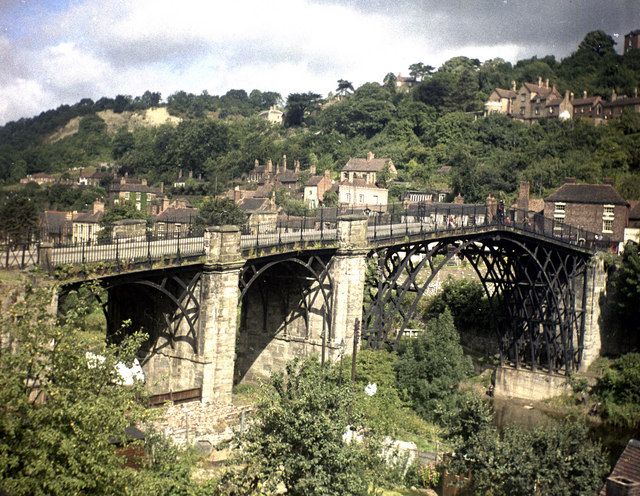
pixel 344 87
pixel 299 108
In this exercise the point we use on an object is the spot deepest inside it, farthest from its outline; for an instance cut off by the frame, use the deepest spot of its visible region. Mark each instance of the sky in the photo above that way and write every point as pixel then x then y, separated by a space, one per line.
pixel 55 52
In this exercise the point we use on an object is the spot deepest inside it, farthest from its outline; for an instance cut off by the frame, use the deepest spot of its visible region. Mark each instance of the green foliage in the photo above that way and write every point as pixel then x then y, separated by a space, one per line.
pixel 468 303
pixel 55 436
pixel 220 212
pixel 295 442
pixel 18 218
pixel 431 366
pixel 559 460
pixel 619 391
pixel 627 284
pixel 385 412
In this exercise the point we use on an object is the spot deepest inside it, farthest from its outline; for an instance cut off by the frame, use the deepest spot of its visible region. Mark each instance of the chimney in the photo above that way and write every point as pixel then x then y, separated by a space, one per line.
pixel 459 199
pixel 567 96
pixel 126 174
pixel 237 194
pixel 191 174
pixel 165 203
pixel 269 168
pixel 180 173
pixel 584 94
pixel 312 169
pixel 614 97
pixel 523 196
pixel 143 182
pixel 571 96
pixel 621 486
pixel 284 163
pixel 539 80
pixel 327 173
pixel 513 85
pixel 635 92
pixel 200 177
pixel 256 164
pixel 98 206
pixel 546 83
pixel 296 166
pixel 161 186
pixel 370 156
pixel 123 180
pixel 278 168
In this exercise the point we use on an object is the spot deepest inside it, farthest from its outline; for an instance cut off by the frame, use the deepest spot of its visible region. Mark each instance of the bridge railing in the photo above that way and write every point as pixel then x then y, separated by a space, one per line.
pixel 317 228
pixel 399 221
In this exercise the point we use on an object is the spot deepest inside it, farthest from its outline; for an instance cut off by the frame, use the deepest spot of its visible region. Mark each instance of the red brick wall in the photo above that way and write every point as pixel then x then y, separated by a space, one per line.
pixel 589 216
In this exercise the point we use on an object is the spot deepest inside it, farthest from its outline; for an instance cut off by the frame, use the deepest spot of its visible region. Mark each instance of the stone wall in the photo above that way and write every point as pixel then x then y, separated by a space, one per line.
pixel 528 385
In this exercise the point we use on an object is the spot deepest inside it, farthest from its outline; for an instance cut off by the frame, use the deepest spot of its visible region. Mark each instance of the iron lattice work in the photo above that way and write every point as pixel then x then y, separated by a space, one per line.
pixel 309 274
pixel 536 292
pixel 164 304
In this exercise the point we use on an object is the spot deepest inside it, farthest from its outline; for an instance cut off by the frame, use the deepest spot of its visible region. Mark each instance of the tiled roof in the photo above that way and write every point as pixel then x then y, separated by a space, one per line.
pixel 622 102
pixel 177 215
pixel 554 103
pixel 364 165
pixel 634 212
pixel 54 221
pixel 133 188
pixel 359 183
pixel 89 217
pixel 263 191
pixel 541 91
pixel 314 180
pixel 590 100
pixel 587 193
pixel 287 176
pixel 255 205
pixel 502 93
pixel 627 467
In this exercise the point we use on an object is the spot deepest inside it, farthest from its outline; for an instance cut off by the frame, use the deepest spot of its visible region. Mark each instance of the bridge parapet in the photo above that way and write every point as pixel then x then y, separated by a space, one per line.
pixel 222 245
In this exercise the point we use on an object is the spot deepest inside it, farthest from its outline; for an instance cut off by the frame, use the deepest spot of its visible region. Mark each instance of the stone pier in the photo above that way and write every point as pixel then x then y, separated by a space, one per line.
pixel 348 272
pixel 219 311
pixel 596 288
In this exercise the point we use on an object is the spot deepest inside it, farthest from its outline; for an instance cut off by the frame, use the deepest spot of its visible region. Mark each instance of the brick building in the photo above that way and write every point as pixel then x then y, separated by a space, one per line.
pixel 632 41
pixel 532 99
pixel 598 208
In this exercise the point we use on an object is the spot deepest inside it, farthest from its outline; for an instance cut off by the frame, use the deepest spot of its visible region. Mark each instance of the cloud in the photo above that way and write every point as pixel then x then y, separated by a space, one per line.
pixel 94 48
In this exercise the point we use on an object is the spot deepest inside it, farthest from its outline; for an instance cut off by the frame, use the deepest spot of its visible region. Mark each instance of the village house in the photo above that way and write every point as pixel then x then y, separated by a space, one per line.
pixel 619 104
pixel 405 83
pixel 589 107
pixel 182 182
pixel 86 225
pixel 273 115
pixel 136 192
pixel 632 231
pixel 262 214
pixel 369 169
pixel 597 208
pixel 501 101
pixel 632 41
pixel 39 178
pixel 56 226
pixel 316 187
pixel 532 98
pixel 176 219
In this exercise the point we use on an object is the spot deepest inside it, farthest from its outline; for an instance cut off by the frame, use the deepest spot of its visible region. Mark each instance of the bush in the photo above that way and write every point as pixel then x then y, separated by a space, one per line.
pixel 431 366
pixel 295 442
pixel 619 391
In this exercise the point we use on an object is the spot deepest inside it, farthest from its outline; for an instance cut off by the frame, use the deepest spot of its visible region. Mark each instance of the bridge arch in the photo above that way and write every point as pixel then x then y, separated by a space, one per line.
pixel 536 284
pixel 285 311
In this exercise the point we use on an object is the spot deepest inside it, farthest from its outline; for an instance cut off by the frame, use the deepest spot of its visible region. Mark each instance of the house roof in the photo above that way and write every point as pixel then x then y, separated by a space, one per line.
pixel 587 193
pixel 89 217
pixel 590 100
pixel 129 222
pixel 502 93
pixel 314 180
pixel 622 102
pixel 359 183
pixel 553 103
pixel 288 176
pixel 255 205
pixel 177 215
pixel 133 188
pixel 263 191
pixel 55 221
pixel 628 465
pixel 364 165
pixel 541 91
pixel 634 212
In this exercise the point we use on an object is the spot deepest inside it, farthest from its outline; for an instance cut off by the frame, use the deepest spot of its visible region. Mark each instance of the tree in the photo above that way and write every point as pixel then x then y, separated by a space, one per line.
pixel 295 443
pixel 344 87
pixel 419 71
pixel 299 107
pixel 431 366
pixel 18 217
pixel 122 142
pixel 219 212
pixel 558 459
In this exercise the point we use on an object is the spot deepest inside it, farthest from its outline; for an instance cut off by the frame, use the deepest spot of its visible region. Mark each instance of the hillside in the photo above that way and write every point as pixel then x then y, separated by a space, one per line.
pixel 433 124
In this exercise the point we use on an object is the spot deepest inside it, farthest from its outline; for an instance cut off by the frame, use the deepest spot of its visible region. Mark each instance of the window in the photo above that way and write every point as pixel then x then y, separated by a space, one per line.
pixel 361 198
pixel 607 225
pixel 551 110
pixel 138 195
pixel 522 97
pixel 348 196
pixel 608 211
pixel 126 195
pixel 537 111
pixel 558 223
pixel 375 199
pixel 559 210
pixel 521 110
